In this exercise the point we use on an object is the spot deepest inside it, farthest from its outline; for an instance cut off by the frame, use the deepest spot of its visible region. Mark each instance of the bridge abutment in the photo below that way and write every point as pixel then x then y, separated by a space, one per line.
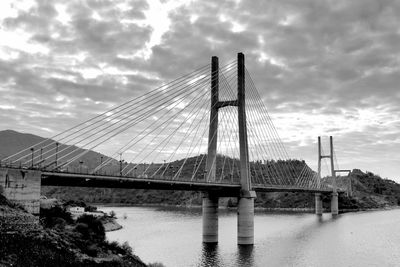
pixel 245 218
pixel 23 187
pixel 210 218
pixel 334 204
pixel 318 204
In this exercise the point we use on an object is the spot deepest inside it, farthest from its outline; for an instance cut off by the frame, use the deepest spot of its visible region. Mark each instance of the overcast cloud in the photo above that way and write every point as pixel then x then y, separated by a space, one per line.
pixel 322 67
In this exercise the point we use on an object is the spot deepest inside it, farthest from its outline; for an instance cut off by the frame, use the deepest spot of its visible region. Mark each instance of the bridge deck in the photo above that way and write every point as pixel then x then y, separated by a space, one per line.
pixel 104 181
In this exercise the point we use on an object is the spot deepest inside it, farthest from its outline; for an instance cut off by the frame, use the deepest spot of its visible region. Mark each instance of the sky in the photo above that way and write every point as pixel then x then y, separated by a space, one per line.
pixel 322 68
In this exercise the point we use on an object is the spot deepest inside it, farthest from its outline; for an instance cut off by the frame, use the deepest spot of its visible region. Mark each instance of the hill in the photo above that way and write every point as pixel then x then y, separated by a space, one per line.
pixel 12 142
pixel 369 190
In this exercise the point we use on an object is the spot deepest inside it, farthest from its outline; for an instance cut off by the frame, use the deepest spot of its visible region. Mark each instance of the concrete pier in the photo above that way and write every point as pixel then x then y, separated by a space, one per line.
pixel 245 217
pixel 22 187
pixel 334 204
pixel 210 219
pixel 318 204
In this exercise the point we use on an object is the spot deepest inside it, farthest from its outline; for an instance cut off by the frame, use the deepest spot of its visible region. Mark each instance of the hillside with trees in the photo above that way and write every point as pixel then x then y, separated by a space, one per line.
pixel 369 190
pixel 56 239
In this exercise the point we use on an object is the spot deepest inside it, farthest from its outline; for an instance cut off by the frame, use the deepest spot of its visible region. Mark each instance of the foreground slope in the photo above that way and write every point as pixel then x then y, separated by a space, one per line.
pixel 57 240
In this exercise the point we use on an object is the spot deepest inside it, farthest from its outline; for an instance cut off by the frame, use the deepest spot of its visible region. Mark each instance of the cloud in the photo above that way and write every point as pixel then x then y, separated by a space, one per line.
pixel 321 67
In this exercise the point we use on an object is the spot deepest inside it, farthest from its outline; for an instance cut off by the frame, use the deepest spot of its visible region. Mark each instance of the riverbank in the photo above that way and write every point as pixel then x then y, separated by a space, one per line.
pixel 256 209
pixel 27 240
pixel 110 224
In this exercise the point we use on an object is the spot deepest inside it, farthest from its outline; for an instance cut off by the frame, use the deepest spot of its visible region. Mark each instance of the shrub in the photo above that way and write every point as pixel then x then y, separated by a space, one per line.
pixel 112 214
pixel 127 249
pixel 92 250
pixel 83 229
pixel 60 223
pixel 156 264
pixel 123 249
pixel 50 217
pixel 90 208
pixel 95 227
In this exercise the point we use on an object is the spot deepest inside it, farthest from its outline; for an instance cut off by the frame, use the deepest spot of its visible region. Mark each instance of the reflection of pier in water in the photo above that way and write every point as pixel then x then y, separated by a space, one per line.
pixel 211 257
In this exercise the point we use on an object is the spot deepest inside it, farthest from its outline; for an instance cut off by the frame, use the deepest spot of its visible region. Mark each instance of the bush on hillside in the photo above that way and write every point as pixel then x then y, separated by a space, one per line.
pixel 91 228
pixel 54 216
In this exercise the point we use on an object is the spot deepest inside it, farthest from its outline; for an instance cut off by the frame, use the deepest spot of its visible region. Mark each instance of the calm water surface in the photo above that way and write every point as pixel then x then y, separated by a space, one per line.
pixel 172 236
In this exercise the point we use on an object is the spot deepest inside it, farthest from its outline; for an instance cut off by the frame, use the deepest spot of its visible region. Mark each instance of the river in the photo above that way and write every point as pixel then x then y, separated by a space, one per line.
pixel 172 236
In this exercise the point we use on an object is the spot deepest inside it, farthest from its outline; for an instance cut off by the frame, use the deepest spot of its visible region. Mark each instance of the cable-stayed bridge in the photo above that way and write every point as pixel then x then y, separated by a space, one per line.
pixel 208 131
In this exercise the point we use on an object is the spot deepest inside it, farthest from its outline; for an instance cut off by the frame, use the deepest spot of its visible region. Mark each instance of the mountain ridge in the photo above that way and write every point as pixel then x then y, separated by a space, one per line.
pixel 369 190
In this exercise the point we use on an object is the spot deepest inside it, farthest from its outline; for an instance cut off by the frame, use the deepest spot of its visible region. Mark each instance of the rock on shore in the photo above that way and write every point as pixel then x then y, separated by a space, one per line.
pixel 110 224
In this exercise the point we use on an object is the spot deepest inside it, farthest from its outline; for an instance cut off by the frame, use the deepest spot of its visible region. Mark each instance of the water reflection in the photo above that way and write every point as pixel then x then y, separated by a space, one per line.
pixel 356 239
pixel 210 256
pixel 245 256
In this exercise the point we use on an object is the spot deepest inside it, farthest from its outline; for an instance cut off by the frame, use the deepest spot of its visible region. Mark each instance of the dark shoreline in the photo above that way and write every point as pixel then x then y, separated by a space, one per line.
pixel 256 209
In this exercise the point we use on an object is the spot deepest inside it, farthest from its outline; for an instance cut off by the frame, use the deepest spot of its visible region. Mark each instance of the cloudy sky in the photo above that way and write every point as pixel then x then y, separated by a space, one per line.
pixel 322 67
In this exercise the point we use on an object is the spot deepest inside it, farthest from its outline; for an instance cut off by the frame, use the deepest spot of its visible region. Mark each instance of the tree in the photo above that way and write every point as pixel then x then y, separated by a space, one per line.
pixel 113 214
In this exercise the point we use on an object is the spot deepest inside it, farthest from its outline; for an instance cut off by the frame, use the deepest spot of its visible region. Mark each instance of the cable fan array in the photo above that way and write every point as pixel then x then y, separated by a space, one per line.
pixel 269 162
pixel 163 134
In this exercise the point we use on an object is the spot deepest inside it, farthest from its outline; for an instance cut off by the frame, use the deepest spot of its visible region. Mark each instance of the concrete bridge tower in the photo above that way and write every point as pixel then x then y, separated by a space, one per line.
pixel 246 198
pixel 334 198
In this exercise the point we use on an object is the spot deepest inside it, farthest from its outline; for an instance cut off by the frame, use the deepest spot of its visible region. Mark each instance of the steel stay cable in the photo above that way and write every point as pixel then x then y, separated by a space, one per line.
pixel 261 104
pixel 137 120
pixel 277 137
pixel 250 127
pixel 149 127
pixel 190 151
pixel 229 140
pixel 260 118
pixel 105 136
pixel 222 136
pixel 160 87
pixel 121 126
pixel 169 98
pixel 201 84
pixel 81 124
pixel 104 123
pixel 131 143
pixel 179 113
pixel 214 136
pixel 222 114
pixel 232 121
pixel 169 163
pixel 198 166
pixel 261 142
pixel 227 80
pixel 215 158
pixel 274 165
pixel 287 163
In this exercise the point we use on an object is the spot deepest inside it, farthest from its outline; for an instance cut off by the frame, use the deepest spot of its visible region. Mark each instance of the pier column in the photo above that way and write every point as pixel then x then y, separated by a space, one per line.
pixel 210 219
pixel 334 204
pixel 334 199
pixel 22 187
pixel 318 204
pixel 245 215
pixel 246 198
pixel 210 202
